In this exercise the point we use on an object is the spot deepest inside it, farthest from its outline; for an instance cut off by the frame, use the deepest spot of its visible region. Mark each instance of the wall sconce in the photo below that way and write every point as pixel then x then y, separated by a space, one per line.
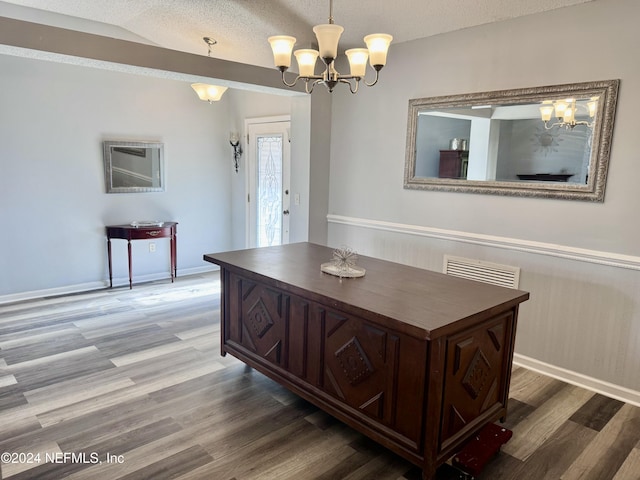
pixel 234 140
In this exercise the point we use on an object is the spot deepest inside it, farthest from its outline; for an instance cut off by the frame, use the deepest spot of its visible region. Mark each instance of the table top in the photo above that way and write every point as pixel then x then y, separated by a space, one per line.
pixel 140 227
pixel 427 303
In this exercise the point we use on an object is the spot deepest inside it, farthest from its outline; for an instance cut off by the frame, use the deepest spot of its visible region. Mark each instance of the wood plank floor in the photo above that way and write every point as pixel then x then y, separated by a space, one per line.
pixel 119 384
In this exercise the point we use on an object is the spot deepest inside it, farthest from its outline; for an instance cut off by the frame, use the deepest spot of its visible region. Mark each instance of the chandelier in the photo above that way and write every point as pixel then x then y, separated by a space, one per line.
pixel 565 111
pixel 328 36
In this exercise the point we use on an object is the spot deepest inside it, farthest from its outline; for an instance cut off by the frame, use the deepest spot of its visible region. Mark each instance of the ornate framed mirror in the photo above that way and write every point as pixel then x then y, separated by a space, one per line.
pixel 551 141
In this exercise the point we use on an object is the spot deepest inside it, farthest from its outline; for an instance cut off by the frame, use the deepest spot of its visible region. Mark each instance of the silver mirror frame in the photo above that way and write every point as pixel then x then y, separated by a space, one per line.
pixel 600 149
pixel 108 145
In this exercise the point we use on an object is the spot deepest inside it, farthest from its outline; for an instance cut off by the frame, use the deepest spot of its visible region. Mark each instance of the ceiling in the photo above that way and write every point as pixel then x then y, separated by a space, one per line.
pixel 241 27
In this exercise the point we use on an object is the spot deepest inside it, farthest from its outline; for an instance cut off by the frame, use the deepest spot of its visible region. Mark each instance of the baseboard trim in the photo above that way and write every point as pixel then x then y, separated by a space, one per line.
pixel 580 254
pixel 88 286
pixel 51 292
pixel 574 378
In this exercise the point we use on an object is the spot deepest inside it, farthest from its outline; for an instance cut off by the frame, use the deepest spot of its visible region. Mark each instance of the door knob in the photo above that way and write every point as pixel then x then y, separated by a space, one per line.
pixel 286 212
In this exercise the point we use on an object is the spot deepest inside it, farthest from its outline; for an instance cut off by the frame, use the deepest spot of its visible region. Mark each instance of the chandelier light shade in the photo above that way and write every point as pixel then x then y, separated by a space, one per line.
pixel 357 61
pixel 378 45
pixel 208 93
pixel 306 59
pixel 566 111
pixel 328 37
pixel 282 45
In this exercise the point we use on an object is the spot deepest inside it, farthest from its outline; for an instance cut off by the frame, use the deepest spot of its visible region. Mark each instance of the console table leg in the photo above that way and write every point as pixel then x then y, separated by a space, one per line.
pixel 174 254
pixel 129 254
pixel 110 267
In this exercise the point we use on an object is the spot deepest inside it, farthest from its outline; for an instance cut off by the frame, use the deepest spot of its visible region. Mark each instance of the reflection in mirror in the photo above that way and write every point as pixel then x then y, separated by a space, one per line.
pixel 546 141
pixel 133 167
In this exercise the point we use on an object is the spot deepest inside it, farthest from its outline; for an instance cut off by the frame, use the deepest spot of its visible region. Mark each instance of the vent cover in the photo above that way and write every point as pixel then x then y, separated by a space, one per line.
pixel 493 273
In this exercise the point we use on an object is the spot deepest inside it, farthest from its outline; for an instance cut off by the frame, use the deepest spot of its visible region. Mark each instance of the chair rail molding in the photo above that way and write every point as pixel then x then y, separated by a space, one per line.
pixel 550 249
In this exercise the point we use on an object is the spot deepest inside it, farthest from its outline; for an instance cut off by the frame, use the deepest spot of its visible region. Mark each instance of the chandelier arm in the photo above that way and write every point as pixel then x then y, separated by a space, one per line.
pixel 284 80
pixel 347 80
pixel 566 125
pixel 375 80
pixel 309 90
pixel 306 79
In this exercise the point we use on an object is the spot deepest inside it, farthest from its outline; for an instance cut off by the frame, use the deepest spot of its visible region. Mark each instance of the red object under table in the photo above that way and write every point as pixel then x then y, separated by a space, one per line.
pixel 475 454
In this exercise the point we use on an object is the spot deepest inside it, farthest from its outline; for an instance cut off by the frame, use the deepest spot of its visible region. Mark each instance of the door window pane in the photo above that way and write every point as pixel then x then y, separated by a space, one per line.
pixel 269 192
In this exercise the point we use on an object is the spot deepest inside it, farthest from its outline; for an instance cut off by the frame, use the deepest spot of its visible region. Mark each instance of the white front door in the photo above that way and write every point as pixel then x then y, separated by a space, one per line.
pixel 268 183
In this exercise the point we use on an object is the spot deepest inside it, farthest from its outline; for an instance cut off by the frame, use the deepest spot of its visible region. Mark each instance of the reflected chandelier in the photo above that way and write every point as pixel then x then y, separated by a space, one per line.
pixel 328 36
pixel 566 112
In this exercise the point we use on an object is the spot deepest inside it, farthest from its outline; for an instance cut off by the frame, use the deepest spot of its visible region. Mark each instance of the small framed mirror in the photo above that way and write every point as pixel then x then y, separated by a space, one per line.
pixel 131 167
pixel 549 141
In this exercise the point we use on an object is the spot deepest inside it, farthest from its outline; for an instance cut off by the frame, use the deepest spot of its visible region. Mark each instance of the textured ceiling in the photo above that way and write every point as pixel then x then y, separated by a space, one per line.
pixel 241 27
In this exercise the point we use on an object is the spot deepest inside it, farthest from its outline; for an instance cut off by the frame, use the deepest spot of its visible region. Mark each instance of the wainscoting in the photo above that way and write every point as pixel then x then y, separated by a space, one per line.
pixel 582 323
pixel 129 384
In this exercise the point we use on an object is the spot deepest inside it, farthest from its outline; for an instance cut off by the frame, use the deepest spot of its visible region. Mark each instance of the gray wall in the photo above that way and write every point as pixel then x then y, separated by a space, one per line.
pixel 53 120
pixel 579 260
pixel 153 101
pixel 434 134
pixel 54 206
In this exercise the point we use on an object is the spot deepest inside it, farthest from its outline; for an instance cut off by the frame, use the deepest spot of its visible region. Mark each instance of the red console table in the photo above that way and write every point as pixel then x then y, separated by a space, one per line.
pixel 131 232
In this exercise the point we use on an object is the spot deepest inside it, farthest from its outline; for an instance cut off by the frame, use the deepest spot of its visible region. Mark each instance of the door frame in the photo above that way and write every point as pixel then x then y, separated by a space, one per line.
pixel 250 170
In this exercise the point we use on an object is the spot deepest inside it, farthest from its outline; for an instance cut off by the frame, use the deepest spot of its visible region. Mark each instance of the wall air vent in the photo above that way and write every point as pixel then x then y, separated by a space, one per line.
pixel 493 273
